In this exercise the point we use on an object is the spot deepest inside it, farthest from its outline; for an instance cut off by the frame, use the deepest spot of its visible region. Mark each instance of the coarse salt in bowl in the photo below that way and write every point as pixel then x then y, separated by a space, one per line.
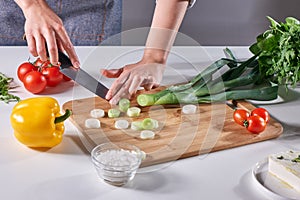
pixel 116 163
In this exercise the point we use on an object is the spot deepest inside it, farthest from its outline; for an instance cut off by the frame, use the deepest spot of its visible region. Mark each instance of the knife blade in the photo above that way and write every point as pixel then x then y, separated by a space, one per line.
pixel 80 76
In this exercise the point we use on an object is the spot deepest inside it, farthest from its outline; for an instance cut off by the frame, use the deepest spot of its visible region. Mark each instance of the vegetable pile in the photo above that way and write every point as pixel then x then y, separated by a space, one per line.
pixel 145 126
pixel 5 86
pixel 275 62
pixel 38 75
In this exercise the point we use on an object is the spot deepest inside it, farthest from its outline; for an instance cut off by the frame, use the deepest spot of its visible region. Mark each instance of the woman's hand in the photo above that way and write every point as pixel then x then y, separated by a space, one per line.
pixel 44 29
pixel 129 78
pixel 148 72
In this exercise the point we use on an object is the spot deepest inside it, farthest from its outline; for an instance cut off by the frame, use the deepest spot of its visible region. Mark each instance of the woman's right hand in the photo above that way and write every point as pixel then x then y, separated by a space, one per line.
pixel 44 29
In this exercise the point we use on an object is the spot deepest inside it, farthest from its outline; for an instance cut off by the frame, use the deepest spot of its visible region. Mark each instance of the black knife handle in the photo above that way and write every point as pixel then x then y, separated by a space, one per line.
pixel 64 60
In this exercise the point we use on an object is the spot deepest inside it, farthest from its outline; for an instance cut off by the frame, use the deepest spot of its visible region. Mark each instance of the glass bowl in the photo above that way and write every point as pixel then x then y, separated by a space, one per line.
pixel 116 163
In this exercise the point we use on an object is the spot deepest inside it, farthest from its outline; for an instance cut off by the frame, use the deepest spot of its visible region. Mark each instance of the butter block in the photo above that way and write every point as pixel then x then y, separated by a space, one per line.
pixel 286 167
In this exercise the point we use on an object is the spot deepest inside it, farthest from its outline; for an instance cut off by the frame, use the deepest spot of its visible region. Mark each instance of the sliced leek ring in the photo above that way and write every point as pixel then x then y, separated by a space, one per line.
pixel 92 123
pixel 147 134
pixel 121 124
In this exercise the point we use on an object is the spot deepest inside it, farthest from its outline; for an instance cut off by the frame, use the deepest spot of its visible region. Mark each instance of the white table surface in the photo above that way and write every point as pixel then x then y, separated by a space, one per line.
pixel 66 172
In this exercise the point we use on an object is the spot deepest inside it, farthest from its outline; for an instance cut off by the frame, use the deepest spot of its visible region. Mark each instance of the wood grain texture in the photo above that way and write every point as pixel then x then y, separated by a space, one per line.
pixel 179 136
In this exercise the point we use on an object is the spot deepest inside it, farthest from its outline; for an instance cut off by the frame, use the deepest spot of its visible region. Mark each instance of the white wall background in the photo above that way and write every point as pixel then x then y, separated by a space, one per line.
pixel 217 22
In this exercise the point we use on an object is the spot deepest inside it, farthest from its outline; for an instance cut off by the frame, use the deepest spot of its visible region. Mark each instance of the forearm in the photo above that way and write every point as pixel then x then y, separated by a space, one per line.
pixel 25 5
pixel 148 72
pixel 167 18
pixel 169 14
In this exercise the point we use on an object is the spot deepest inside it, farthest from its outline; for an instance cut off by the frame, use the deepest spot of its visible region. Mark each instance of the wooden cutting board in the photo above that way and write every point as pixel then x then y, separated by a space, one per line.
pixel 178 136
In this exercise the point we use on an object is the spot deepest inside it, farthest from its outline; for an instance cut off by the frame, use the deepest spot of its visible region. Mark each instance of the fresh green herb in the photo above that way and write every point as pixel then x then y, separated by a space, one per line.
pixel 296 159
pixel 278 51
pixel 280 157
pixel 4 89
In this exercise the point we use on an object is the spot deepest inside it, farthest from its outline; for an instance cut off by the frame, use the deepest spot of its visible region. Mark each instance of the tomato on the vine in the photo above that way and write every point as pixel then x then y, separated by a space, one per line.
pixel 255 124
pixel 52 75
pixel 25 68
pixel 41 64
pixel 45 74
pixel 262 113
pixel 240 116
pixel 34 82
pixel 66 78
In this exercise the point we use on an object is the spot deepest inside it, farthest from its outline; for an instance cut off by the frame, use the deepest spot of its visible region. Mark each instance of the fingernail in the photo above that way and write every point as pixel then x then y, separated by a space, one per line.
pixel 107 96
pixel 56 63
pixel 76 64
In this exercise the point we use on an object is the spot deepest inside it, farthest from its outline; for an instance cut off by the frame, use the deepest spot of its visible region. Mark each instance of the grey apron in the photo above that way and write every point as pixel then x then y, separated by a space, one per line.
pixel 88 22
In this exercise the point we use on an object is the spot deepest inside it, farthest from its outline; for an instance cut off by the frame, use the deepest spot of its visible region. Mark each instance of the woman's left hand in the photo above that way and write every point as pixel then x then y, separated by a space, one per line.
pixel 131 77
pixel 149 71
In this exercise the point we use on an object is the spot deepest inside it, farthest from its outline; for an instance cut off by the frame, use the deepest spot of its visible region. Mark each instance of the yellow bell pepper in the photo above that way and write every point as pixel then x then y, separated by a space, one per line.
pixel 37 122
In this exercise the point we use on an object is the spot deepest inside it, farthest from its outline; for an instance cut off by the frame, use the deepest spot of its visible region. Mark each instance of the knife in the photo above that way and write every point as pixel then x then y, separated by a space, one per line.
pixel 80 76
pixel 232 104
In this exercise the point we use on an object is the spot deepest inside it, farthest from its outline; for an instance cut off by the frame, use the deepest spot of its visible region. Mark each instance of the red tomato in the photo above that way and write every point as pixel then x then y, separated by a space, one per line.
pixel 255 124
pixel 240 116
pixel 66 78
pixel 24 68
pixel 35 82
pixel 262 113
pixel 39 63
pixel 52 75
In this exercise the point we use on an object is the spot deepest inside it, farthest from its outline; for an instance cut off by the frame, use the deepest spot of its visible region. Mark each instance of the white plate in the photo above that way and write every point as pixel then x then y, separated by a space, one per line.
pixel 270 185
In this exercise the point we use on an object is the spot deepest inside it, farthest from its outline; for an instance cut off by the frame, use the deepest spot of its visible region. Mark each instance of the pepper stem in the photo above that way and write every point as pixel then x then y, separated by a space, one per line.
pixel 63 117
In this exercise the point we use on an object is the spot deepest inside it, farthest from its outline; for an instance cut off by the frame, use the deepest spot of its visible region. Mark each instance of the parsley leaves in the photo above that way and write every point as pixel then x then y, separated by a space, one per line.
pixel 278 51
pixel 4 89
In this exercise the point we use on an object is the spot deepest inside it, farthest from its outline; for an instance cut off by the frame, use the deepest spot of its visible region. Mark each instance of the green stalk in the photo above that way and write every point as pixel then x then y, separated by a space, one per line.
pixel 260 94
pixel 63 117
pixel 177 98
pixel 150 99
pixel 235 72
pixel 203 88
pixel 203 76
pixel 220 86
pixel 210 70
pixel 229 53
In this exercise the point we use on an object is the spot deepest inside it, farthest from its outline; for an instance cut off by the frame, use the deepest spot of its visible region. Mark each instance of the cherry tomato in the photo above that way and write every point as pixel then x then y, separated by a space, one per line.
pixel 66 78
pixel 262 113
pixel 255 124
pixel 34 82
pixel 52 75
pixel 24 68
pixel 240 116
pixel 41 64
